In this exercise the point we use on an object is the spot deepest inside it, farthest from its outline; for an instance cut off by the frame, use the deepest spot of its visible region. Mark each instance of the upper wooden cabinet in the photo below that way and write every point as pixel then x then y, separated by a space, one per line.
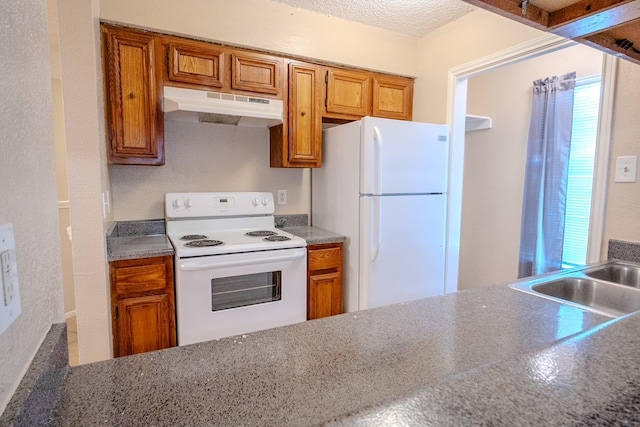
pixel 135 124
pixel 258 73
pixel 609 25
pixel 196 63
pixel 352 94
pixel 139 63
pixel 348 93
pixel 392 97
pixel 298 143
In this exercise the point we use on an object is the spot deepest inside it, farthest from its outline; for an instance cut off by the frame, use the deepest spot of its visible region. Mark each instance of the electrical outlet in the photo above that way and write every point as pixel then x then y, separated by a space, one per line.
pixel 282 197
pixel 626 168
pixel 10 307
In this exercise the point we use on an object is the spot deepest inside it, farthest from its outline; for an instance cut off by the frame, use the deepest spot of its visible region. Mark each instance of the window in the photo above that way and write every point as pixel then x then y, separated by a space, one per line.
pixel 581 163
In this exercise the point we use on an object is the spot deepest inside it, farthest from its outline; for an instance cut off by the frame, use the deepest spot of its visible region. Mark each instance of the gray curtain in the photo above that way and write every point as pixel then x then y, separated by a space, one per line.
pixel 546 174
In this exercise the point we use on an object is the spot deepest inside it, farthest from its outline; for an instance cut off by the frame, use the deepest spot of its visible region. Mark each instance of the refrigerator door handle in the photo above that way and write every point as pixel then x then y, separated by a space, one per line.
pixel 378 158
pixel 375 238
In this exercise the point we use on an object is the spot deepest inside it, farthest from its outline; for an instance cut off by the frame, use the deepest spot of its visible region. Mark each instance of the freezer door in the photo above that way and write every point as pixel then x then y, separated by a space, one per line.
pixel 400 157
pixel 402 249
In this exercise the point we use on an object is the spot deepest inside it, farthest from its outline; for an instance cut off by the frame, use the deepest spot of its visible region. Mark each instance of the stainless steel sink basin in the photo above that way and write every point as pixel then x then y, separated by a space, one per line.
pixel 606 298
pixel 624 274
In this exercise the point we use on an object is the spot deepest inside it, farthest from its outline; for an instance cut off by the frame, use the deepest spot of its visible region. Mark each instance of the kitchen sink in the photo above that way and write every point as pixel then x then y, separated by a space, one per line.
pixel 624 274
pixel 611 289
pixel 603 297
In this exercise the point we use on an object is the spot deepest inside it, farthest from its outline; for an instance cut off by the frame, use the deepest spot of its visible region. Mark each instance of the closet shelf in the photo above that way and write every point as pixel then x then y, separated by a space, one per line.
pixel 473 122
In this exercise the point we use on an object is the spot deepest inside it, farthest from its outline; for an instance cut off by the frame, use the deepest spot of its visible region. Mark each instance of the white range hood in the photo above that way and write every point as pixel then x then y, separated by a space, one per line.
pixel 215 107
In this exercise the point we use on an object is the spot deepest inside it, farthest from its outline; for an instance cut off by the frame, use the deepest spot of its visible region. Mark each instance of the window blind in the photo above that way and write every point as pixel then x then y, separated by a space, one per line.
pixel 581 165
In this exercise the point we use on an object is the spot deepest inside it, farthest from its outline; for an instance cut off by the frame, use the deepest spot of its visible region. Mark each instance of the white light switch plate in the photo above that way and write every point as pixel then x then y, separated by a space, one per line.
pixel 626 168
pixel 10 307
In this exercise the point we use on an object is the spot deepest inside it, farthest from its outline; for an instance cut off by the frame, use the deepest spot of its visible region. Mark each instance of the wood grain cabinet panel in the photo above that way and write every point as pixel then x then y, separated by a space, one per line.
pixel 324 280
pixel 142 305
pixel 299 144
pixel 197 64
pixel 392 97
pixel 135 120
pixel 348 93
pixel 141 324
pixel 258 73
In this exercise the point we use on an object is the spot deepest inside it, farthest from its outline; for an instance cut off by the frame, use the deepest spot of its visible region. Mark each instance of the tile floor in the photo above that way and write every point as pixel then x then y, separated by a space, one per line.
pixel 72 339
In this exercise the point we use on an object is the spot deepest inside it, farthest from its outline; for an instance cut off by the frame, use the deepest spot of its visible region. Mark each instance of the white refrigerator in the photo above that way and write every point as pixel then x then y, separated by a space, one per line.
pixel 383 184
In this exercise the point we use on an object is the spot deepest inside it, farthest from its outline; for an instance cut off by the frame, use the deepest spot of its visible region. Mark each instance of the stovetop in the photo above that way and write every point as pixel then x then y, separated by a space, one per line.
pixel 202 224
pixel 232 241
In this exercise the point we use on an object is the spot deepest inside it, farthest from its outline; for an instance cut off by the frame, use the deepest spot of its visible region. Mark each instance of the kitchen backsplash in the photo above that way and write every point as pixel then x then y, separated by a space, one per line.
pixel 624 251
pixel 206 157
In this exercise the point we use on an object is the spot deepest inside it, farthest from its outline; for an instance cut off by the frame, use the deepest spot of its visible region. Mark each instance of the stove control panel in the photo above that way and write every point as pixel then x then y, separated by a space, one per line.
pixel 199 205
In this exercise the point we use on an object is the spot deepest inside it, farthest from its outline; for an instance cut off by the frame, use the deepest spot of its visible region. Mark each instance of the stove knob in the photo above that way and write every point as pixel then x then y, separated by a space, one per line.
pixel 255 201
pixel 187 203
pixel 265 202
pixel 177 203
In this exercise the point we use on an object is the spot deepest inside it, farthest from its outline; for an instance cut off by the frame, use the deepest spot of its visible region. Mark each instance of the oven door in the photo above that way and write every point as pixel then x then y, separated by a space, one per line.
pixel 223 295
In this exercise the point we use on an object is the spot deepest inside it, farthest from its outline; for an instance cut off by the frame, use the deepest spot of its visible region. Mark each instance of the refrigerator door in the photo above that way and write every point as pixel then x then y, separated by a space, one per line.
pixel 402 248
pixel 400 157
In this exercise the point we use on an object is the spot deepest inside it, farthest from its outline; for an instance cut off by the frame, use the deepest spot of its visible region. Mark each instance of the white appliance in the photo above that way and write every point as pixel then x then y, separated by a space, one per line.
pixel 383 185
pixel 216 107
pixel 235 272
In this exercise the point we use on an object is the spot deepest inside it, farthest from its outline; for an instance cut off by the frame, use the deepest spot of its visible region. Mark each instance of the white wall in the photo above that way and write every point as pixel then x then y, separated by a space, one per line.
pixel 28 184
pixel 622 220
pixel 471 37
pixel 206 157
pixel 495 161
pixel 84 129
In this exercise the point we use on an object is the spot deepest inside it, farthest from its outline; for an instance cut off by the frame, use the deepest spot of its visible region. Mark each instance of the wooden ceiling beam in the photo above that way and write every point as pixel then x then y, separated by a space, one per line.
pixel 608 44
pixel 591 16
pixel 534 16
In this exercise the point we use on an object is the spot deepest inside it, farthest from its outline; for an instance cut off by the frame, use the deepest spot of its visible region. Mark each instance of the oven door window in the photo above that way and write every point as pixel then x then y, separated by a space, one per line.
pixel 248 289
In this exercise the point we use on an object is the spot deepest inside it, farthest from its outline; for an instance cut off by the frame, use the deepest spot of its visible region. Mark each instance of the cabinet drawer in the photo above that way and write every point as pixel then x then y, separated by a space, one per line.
pixel 140 278
pixel 321 259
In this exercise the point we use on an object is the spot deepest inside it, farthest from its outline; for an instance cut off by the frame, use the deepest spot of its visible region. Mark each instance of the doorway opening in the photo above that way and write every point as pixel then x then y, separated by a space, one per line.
pixel 456 111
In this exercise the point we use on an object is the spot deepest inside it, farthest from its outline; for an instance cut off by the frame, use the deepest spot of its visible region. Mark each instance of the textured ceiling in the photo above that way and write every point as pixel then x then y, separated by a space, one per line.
pixel 411 17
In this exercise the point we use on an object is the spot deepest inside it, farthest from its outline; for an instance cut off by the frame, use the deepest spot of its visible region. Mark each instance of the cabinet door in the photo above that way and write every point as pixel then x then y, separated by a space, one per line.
pixel 325 295
pixel 141 324
pixel 298 143
pixel 197 64
pixel 392 97
pixel 253 72
pixel 136 131
pixel 348 93
pixel 305 120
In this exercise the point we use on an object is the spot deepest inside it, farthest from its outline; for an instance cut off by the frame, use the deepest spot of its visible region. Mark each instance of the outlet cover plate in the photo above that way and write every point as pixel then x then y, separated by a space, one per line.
pixel 626 168
pixel 10 307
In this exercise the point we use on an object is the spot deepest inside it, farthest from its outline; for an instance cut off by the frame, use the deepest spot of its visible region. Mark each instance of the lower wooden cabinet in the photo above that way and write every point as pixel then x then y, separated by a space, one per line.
pixel 142 305
pixel 324 280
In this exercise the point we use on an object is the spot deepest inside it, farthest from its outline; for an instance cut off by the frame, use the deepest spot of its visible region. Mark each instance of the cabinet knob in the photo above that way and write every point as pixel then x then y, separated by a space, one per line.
pixel 303 113
pixel 132 95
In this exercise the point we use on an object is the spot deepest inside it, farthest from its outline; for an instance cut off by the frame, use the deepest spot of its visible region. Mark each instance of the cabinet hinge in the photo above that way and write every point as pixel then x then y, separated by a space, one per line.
pixel 117 312
pixel 326 77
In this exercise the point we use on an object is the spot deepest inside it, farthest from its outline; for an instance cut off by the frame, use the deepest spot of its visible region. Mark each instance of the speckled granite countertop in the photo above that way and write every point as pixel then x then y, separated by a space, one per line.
pixel 142 239
pixel 137 239
pixel 314 235
pixel 356 367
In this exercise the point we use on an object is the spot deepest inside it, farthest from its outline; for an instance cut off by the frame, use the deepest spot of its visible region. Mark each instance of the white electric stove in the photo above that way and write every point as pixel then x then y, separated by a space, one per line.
pixel 235 272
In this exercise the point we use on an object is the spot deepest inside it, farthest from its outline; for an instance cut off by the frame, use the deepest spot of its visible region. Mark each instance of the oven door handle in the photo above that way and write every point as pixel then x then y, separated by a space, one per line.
pixel 186 266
